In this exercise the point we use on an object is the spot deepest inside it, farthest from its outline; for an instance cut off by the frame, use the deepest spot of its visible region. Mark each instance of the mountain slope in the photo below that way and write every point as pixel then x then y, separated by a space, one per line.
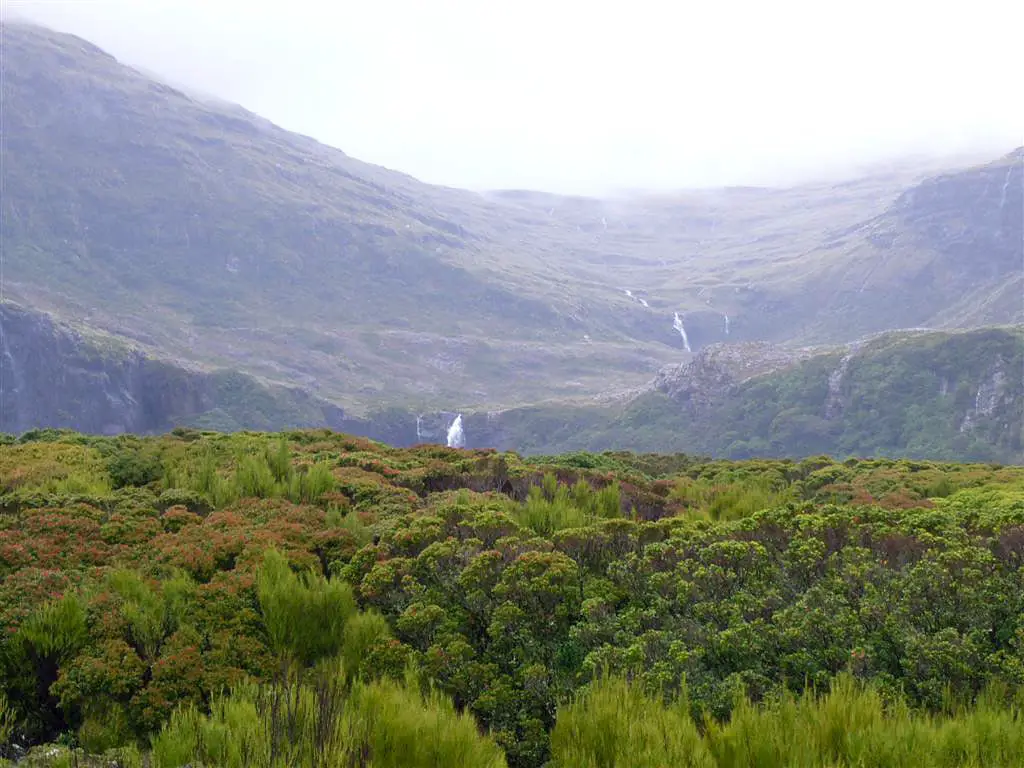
pixel 948 252
pixel 916 394
pixel 202 231
pixel 206 235
pixel 56 376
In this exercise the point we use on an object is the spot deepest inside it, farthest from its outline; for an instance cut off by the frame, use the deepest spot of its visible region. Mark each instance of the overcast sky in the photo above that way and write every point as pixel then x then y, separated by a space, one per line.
pixel 591 95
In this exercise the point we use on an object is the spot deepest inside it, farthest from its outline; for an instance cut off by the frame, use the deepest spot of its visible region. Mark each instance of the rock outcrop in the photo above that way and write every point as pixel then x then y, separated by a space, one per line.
pixel 717 369
pixel 52 375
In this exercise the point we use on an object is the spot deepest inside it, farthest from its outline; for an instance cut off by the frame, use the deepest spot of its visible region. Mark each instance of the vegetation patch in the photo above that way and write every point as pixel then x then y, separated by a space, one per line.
pixel 308 597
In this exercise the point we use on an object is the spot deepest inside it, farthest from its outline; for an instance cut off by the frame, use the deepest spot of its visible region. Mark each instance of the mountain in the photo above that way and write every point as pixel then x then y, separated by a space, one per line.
pixel 55 376
pixel 207 241
pixel 948 252
pixel 206 233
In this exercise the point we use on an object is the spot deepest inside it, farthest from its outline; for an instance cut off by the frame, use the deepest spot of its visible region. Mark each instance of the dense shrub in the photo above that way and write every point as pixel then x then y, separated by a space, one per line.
pixel 509 588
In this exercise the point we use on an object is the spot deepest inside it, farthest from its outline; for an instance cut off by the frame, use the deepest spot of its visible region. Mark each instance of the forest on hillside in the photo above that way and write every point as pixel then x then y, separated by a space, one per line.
pixel 309 598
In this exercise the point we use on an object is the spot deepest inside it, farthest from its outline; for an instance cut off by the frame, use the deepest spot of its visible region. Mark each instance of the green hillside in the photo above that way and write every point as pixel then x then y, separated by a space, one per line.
pixel 952 396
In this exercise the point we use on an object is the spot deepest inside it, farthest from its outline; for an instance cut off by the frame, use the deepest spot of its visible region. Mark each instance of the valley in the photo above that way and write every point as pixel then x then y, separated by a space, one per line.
pixel 206 236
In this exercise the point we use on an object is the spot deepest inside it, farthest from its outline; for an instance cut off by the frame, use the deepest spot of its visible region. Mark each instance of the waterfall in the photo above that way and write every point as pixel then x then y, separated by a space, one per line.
pixel 419 428
pixel 677 323
pixel 726 323
pixel 456 437
pixel 834 398
pixel 639 299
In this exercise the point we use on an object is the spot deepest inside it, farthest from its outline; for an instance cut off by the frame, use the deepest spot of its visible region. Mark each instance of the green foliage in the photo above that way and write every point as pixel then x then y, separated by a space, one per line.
pixel 321 725
pixel 728 501
pixel 614 724
pixel 56 630
pixel 363 632
pixel 152 614
pixel 261 472
pixel 304 613
pixel 128 467
pixel 7 721
pixel 851 726
pixel 511 586
pixel 553 507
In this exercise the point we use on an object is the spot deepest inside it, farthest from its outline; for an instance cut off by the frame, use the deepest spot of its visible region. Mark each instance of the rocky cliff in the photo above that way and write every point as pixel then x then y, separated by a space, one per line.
pixel 52 375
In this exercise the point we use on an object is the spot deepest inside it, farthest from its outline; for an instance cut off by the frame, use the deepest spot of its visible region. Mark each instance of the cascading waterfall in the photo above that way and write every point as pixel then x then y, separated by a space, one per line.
pixel 456 436
pixel 419 428
pixel 726 323
pixel 677 323
pixel 640 299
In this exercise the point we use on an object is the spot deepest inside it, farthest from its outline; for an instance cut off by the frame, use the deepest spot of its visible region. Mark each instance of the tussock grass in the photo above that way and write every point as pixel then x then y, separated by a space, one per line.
pixel 552 507
pixel 322 723
pixel 614 723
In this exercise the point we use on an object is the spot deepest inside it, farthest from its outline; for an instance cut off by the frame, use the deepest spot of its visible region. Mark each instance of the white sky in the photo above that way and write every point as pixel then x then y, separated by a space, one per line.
pixel 592 95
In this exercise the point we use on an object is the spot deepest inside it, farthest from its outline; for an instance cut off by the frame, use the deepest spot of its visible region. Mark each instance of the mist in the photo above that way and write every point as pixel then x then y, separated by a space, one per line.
pixel 569 97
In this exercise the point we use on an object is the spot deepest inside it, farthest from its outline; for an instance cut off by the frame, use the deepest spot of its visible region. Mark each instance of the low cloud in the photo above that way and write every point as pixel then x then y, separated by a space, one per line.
pixel 586 98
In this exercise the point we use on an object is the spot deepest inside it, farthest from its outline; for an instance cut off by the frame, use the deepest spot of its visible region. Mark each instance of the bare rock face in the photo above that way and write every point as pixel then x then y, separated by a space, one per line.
pixel 717 369
pixel 993 395
pixel 54 376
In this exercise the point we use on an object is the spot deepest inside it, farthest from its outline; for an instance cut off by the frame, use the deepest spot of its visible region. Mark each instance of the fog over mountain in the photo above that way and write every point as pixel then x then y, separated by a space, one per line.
pixel 576 97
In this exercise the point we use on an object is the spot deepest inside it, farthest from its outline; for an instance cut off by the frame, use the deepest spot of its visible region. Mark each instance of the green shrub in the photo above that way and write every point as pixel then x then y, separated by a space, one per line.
pixel 7 721
pixel 317 726
pixel 362 632
pixel 614 724
pixel 304 614
pixel 134 468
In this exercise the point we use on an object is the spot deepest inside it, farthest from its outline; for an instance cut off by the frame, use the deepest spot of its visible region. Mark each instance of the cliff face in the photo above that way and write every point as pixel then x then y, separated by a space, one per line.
pixel 54 376
pixel 712 375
